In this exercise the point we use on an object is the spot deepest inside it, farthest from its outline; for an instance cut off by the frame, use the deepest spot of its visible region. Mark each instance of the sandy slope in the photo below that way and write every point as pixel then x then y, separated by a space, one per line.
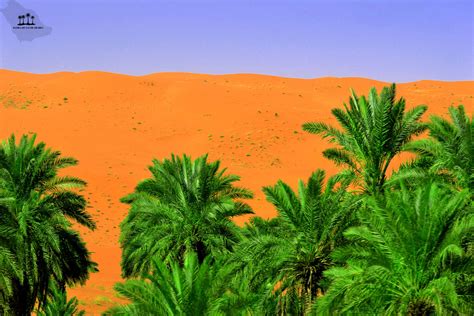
pixel 115 124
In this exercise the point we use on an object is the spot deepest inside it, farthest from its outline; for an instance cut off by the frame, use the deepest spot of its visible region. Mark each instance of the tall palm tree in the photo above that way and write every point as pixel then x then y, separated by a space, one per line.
pixel 406 258
pixel 188 289
pixel 447 153
pixel 185 206
pixel 36 206
pixel 374 131
pixel 293 250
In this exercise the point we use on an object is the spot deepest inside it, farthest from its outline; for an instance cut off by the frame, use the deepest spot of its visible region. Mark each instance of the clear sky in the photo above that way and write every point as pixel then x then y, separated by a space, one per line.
pixel 387 40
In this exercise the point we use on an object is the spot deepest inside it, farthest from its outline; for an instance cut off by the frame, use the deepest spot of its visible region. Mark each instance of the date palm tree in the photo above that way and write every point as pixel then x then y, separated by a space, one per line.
pixel 36 206
pixel 448 152
pixel 59 304
pixel 189 289
pixel 407 257
pixel 8 272
pixel 293 250
pixel 185 206
pixel 374 130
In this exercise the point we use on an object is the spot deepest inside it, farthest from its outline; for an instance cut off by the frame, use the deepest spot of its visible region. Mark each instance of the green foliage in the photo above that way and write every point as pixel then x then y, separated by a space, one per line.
pixel 37 241
pixel 374 131
pixel 293 250
pixel 185 206
pixel 8 272
pixel 190 289
pixel 406 257
pixel 58 304
pixel 448 154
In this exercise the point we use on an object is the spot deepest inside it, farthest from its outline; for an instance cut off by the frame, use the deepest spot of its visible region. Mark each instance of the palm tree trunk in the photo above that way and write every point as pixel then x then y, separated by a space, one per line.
pixel 201 251
pixel 21 302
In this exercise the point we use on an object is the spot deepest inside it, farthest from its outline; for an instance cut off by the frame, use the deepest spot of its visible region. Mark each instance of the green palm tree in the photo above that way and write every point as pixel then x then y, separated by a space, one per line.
pixel 374 131
pixel 447 153
pixel 185 206
pixel 189 289
pixel 292 251
pixel 8 272
pixel 407 257
pixel 58 304
pixel 36 206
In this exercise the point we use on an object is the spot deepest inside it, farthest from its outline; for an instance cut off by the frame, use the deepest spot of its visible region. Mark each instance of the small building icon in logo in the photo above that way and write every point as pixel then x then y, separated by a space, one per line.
pixel 30 19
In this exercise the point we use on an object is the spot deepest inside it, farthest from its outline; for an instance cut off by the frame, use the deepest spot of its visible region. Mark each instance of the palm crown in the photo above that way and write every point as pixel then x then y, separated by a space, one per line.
pixel 374 131
pixel 185 206
pixel 295 247
pixel 448 152
pixel 35 205
pixel 406 257
pixel 191 289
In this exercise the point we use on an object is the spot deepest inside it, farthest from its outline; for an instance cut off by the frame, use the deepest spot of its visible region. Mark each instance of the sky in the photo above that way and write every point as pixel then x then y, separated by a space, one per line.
pixel 394 41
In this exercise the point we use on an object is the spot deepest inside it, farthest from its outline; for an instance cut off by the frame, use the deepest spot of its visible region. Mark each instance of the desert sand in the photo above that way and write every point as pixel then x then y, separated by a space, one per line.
pixel 115 124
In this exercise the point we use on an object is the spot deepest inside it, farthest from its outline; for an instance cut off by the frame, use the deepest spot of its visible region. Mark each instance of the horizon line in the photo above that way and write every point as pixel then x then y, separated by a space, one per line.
pixel 224 74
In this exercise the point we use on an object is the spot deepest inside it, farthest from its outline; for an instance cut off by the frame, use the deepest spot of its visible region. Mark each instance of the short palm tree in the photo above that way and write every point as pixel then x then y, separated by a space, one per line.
pixel 447 153
pixel 174 289
pixel 374 131
pixel 36 206
pixel 406 258
pixel 185 206
pixel 58 304
pixel 293 250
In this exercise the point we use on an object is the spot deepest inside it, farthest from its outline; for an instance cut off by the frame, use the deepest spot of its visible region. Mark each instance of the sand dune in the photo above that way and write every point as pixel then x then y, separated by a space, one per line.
pixel 115 124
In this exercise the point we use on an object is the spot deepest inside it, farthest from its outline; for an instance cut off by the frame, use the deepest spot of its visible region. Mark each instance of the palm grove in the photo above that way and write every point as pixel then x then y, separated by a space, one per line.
pixel 364 241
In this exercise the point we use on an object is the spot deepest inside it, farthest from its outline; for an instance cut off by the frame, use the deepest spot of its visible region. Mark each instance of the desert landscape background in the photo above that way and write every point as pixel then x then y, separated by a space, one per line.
pixel 115 124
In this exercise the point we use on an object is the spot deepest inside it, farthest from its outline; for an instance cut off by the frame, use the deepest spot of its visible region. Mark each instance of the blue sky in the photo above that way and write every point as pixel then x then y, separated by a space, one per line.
pixel 386 40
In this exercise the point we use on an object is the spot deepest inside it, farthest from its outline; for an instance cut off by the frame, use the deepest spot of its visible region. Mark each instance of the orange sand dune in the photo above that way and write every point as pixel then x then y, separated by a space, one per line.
pixel 115 124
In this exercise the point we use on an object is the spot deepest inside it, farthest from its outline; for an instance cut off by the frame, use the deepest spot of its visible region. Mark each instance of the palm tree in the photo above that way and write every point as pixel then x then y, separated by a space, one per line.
pixel 188 289
pixel 36 206
pixel 448 153
pixel 374 131
pixel 58 304
pixel 8 271
pixel 407 257
pixel 185 206
pixel 293 250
